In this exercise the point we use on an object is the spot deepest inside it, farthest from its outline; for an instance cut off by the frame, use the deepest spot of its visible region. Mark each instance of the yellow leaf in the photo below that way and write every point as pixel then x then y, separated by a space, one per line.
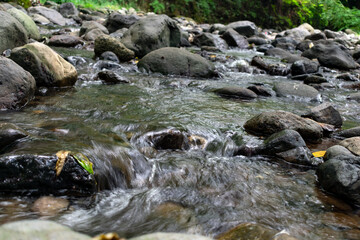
pixel 61 158
pixel 108 236
pixel 213 56
pixel 319 154
pixel 38 111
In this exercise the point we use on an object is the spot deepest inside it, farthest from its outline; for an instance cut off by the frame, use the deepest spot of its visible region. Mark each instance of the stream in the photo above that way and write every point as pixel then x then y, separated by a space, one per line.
pixel 203 190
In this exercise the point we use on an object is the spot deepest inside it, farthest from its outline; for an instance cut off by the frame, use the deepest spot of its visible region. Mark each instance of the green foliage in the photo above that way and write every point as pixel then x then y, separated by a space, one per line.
pixel 24 3
pixel 157 6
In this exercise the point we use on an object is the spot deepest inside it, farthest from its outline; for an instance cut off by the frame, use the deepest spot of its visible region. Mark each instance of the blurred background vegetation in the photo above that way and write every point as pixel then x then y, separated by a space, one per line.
pixel 277 14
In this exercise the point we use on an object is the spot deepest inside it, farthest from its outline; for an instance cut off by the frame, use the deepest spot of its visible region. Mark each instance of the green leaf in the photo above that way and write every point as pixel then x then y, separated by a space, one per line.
pixel 84 162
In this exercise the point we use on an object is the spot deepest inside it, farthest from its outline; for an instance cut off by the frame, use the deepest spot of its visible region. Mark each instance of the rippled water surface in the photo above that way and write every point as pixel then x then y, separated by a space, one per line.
pixel 202 190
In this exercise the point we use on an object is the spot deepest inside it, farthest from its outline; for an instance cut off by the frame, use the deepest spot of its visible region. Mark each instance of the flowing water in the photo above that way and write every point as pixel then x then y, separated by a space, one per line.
pixel 203 190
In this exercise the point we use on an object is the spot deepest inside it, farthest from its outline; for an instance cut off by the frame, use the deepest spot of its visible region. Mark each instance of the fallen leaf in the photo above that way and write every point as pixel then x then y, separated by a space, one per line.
pixel 61 159
pixel 319 154
pixel 213 56
pixel 311 45
pixel 108 236
pixel 84 162
pixel 38 111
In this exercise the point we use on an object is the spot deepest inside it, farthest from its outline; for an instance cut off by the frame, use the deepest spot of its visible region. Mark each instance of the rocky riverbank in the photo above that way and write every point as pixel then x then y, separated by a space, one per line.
pixel 308 63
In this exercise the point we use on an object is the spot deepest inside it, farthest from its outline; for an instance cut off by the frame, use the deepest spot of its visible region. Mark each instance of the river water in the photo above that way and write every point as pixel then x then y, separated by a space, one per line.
pixel 203 190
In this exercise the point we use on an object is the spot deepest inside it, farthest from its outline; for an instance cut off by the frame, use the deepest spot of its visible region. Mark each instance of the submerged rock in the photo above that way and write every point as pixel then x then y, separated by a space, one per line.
pixel 151 33
pixel 286 89
pixel 39 229
pixel 325 113
pixel 9 133
pixel 48 68
pixel 12 32
pixel 178 62
pixel 107 43
pixel 268 123
pixel 50 206
pixel 248 231
pixel 33 174
pixel 168 139
pixel 236 92
pixel 17 86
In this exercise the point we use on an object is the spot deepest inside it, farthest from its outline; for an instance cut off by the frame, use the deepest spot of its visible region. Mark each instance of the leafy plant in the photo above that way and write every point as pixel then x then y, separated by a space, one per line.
pixel 157 6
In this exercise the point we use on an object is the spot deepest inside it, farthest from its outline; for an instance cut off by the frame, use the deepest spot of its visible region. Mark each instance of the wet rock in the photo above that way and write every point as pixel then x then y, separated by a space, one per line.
pixel 304 45
pixel 331 56
pixel 330 34
pixel 278 69
pixel 51 14
pixel 168 139
pixel 286 89
pixel 12 32
pixel 87 26
pixel 47 67
pixel 106 43
pixel 352 144
pixel 110 77
pixel 5 6
pixel 245 28
pixel 208 39
pixel 64 41
pixel 260 91
pixel 117 21
pixel 298 33
pixel 264 48
pixel 31 174
pixel 347 77
pixel 27 22
pixel 109 56
pixel 17 86
pixel 42 229
pixel 325 113
pixel 304 67
pixel 40 19
pixel 236 92
pixel 119 33
pixel 170 236
pixel 257 41
pixel 337 150
pixel 50 206
pixel 178 62
pixel 341 176
pixel 247 231
pixel 75 60
pixel 234 39
pixel 259 62
pixel 316 36
pixel 68 10
pixel 9 133
pixel 288 145
pixel 283 54
pixel 348 133
pixel 314 79
pixel 268 123
pixel 151 33
pixel 100 65
pixel 284 40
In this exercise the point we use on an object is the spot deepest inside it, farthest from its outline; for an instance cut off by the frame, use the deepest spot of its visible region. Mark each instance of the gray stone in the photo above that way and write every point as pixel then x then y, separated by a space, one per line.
pixel 260 91
pixel 117 21
pixel 106 43
pixel 178 62
pixel 325 113
pixel 170 236
pixel 304 67
pixel 291 89
pixel 211 40
pixel 337 150
pixel 68 10
pixel 39 229
pixel 17 86
pixel 12 32
pixel 168 140
pixel 298 33
pixel 316 36
pixel 27 22
pixel 298 155
pixel 40 19
pixel 352 144
pixel 87 26
pixel 51 14
pixel 234 39
pixel 245 28
pixel 348 133
pixel 109 56
pixel 283 54
pixel 257 41
pixel 93 34
pixel 64 41
pixel 9 133
pixel 314 79
pixel 110 77
pixel 48 68
pixel 236 92
pixel 268 123
pixel 151 33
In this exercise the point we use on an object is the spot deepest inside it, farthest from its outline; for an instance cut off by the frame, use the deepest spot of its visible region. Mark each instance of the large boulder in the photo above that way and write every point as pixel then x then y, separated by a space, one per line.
pixel 12 32
pixel 37 175
pixel 106 43
pixel 325 113
pixel 294 89
pixel 51 14
pixel 341 176
pixel 27 22
pixel 234 39
pixel 47 67
pixel 332 56
pixel 245 28
pixel 68 9
pixel 17 86
pixel 38 229
pixel 117 21
pixel 268 123
pixel 178 62
pixel 151 33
